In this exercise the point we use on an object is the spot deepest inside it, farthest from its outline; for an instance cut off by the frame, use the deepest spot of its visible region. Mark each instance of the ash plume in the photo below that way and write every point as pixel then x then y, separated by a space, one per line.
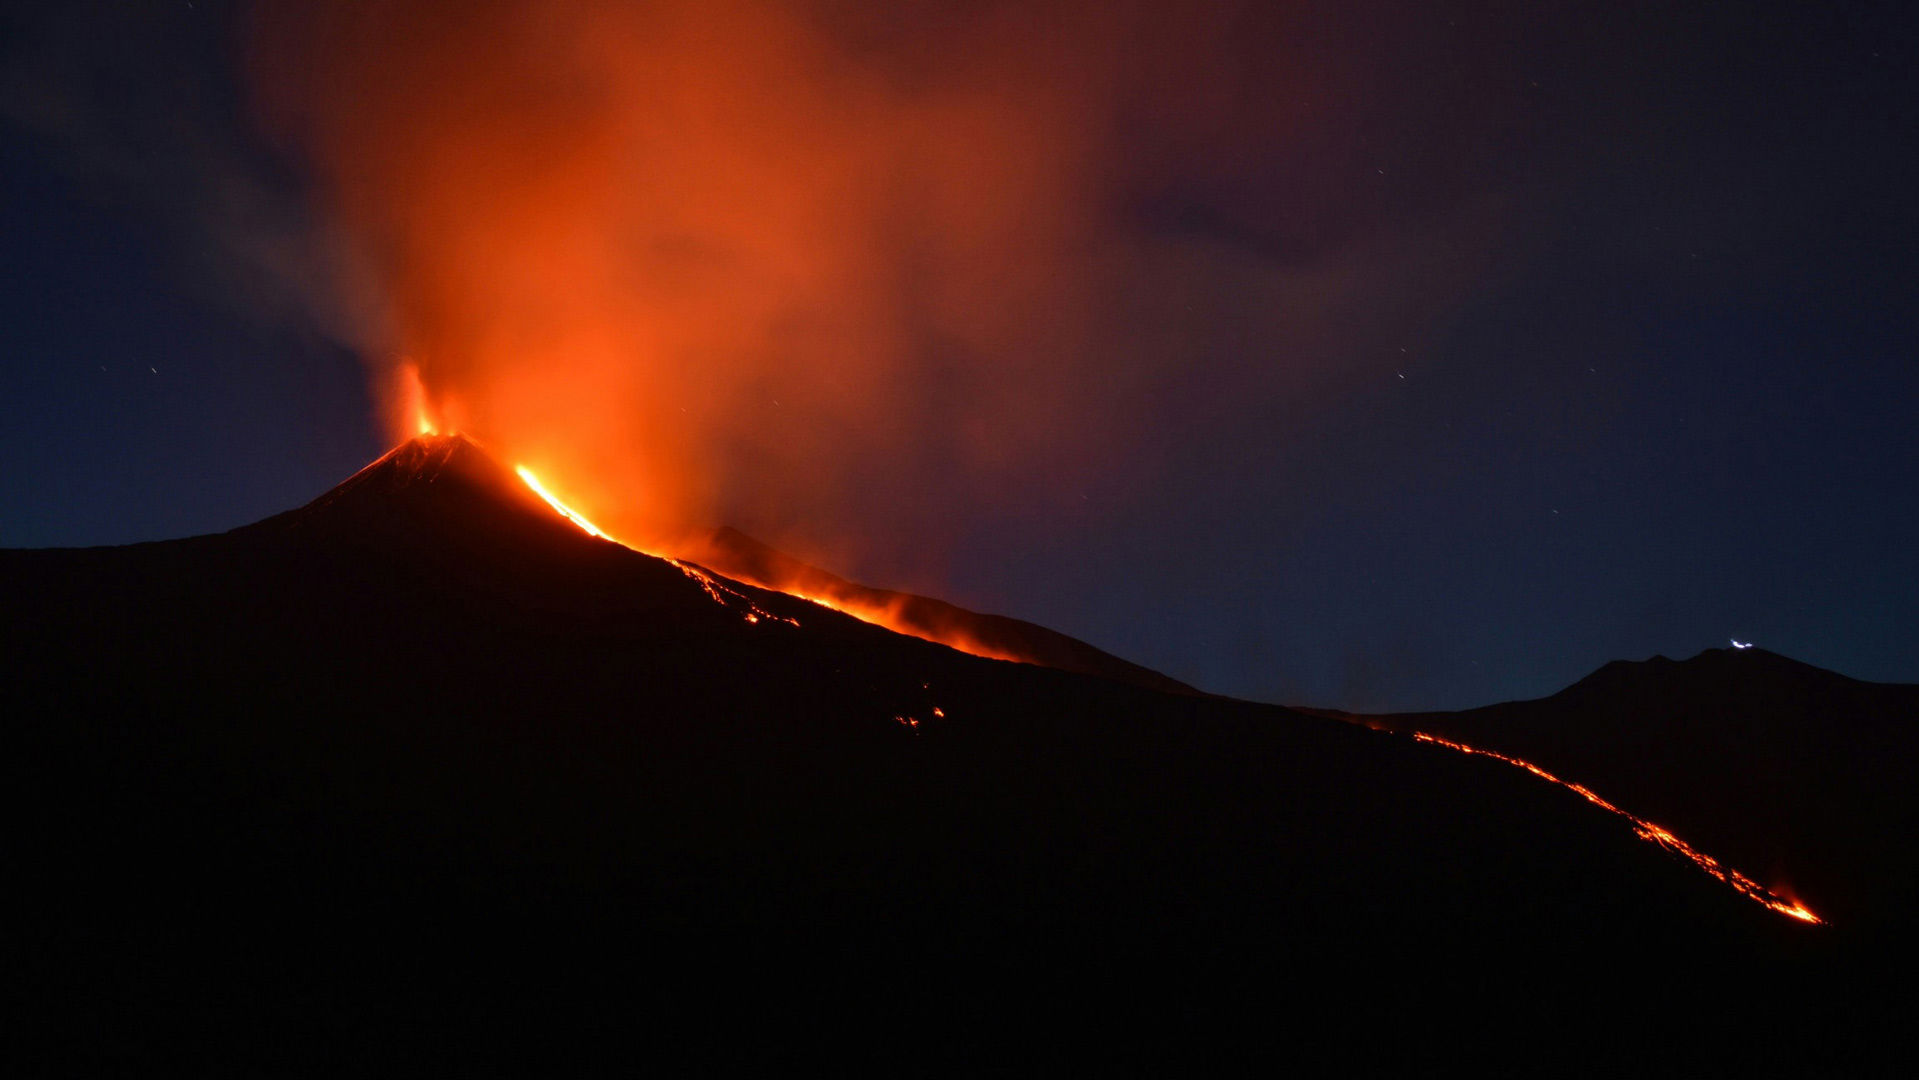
pixel 832 270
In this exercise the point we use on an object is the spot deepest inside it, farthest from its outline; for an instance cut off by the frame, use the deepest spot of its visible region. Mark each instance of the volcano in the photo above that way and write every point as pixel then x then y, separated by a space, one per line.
pixel 425 768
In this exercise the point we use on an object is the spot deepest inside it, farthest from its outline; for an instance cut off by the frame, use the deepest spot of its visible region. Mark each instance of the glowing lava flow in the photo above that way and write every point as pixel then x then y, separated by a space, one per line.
pixel 754 613
pixel 552 500
pixel 885 616
pixel 888 615
pixel 719 592
pixel 1751 889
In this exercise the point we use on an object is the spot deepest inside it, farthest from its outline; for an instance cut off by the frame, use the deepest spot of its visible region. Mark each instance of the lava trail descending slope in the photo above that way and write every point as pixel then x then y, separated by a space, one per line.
pixel 1800 777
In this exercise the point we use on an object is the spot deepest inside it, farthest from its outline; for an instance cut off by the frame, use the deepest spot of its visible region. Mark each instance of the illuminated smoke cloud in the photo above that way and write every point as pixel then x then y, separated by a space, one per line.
pixel 832 271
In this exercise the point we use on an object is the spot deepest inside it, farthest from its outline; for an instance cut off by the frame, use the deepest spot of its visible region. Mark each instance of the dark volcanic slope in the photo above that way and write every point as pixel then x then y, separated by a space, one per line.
pixel 738 555
pixel 421 763
pixel 1801 777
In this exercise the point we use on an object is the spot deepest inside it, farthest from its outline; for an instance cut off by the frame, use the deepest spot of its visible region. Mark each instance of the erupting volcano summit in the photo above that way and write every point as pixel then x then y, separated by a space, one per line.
pixel 449 479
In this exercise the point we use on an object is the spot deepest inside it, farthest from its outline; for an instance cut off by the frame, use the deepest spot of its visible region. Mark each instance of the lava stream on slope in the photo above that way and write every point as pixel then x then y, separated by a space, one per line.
pixel 1646 830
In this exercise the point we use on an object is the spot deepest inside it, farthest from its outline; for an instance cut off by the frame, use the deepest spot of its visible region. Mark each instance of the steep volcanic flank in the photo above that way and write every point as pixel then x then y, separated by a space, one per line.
pixel 425 741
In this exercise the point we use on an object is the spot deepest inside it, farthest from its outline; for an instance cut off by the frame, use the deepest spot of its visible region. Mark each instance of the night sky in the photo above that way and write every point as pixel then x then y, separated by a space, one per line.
pixel 1460 347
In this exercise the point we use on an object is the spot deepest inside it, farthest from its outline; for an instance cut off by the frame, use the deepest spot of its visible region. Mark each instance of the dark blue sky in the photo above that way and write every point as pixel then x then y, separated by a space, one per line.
pixel 1642 376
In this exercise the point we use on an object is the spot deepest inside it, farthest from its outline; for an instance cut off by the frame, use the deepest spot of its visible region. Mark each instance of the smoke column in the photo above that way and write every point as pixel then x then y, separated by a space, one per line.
pixel 823 270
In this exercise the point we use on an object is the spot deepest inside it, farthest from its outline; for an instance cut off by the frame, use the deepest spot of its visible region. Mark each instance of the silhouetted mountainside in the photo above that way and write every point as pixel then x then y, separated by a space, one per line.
pixel 422 767
pixel 1804 778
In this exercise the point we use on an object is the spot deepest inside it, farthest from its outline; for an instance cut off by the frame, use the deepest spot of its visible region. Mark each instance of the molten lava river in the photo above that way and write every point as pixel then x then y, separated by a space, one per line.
pixel 1746 886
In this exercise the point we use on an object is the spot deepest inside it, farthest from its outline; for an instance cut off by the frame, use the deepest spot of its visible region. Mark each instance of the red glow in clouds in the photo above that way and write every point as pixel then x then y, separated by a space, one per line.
pixel 690 256
pixel 850 276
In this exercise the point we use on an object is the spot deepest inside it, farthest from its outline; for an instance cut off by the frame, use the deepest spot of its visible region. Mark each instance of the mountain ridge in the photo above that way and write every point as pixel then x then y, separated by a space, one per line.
pixel 420 747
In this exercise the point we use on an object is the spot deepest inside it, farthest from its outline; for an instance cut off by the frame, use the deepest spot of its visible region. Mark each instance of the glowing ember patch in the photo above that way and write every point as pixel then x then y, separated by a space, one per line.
pixel 727 597
pixel 917 724
pixel 1646 830
pixel 553 501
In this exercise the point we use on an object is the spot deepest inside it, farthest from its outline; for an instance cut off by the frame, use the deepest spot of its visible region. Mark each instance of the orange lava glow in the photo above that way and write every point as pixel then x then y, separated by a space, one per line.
pixel 888 616
pixel 716 587
pixel 553 500
pixel 721 593
pixel 727 596
pixel 414 410
pixel 1646 830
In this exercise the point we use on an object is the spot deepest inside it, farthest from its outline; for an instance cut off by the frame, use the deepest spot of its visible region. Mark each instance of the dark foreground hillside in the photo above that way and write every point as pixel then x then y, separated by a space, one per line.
pixel 421 774
pixel 1803 776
